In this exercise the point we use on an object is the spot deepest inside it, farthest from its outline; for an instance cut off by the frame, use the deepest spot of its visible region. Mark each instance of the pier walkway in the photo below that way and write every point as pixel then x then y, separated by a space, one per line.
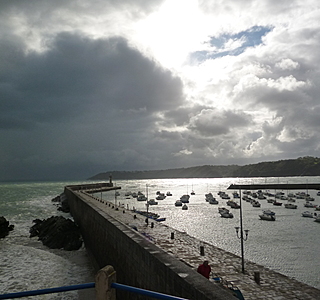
pixel 272 286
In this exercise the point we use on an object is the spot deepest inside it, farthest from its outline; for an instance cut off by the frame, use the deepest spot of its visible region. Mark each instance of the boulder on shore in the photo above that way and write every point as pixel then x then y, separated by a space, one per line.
pixel 57 232
pixel 4 227
pixel 62 202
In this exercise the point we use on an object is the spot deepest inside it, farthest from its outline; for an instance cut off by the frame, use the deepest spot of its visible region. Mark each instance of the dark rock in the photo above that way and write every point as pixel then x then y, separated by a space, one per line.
pixel 62 201
pixel 5 227
pixel 57 233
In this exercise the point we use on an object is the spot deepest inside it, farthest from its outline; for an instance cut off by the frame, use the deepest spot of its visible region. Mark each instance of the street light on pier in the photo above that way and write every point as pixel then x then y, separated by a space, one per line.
pixel 241 236
pixel 147 219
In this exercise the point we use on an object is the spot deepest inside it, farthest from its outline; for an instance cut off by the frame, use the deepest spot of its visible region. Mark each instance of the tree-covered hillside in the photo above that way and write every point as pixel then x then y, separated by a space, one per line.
pixel 302 166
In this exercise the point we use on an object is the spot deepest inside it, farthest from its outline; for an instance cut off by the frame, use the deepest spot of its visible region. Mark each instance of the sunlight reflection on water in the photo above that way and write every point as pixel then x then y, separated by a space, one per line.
pixel 288 245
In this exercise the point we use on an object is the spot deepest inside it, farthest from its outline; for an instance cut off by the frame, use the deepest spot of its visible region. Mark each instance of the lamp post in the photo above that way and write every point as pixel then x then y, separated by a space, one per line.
pixel 241 236
pixel 147 219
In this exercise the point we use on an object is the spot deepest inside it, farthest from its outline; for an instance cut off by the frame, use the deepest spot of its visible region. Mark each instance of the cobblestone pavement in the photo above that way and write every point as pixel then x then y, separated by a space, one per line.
pixel 224 264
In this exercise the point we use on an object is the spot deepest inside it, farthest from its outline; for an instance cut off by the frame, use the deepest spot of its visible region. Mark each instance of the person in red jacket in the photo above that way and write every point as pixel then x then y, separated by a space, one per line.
pixel 204 269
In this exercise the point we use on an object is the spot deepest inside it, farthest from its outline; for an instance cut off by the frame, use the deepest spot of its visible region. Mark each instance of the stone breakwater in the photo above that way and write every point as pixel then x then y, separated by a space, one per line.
pixel 224 264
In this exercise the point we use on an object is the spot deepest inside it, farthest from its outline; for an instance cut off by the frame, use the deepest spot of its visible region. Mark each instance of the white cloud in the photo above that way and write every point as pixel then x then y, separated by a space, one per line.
pixel 146 85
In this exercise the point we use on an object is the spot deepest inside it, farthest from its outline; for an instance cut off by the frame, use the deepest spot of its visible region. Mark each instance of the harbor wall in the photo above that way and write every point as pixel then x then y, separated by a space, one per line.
pixel 137 261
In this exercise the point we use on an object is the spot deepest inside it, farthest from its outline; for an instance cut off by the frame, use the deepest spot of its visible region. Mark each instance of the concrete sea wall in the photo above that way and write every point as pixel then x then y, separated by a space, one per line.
pixel 137 261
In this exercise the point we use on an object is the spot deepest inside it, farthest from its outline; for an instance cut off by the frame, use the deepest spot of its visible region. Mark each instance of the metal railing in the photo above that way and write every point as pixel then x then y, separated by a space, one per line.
pixel 48 291
pixel 119 286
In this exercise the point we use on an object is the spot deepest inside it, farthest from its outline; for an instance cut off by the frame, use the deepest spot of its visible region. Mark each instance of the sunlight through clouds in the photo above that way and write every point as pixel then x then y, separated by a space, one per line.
pixel 131 85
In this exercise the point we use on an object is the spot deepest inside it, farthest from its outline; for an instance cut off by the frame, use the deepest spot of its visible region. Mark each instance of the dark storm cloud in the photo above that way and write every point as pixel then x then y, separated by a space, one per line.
pixel 211 122
pixel 72 95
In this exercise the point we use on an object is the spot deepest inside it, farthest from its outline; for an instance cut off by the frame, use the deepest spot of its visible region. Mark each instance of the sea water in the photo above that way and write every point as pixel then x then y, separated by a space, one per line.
pixel 290 245
pixel 25 264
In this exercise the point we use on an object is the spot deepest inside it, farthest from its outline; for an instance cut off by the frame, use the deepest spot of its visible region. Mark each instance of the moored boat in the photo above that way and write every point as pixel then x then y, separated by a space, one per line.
pixel 269 212
pixel 184 198
pixel 161 196
pixel 225 213
pixel 276 203
pixel 185 207
pixel 307 214
pixel 213 201
pixel 178 203
pixel 267 217
pixel 290 205
pixel 152 202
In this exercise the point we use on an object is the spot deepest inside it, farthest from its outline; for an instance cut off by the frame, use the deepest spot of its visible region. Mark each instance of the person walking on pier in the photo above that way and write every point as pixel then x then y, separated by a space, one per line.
pixel 204 269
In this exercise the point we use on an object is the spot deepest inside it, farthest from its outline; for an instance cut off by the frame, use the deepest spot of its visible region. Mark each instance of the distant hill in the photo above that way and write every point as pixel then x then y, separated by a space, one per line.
pixel 302 166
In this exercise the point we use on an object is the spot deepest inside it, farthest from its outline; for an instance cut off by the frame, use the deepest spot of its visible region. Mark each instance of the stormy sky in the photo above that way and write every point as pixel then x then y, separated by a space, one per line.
pixel 95 86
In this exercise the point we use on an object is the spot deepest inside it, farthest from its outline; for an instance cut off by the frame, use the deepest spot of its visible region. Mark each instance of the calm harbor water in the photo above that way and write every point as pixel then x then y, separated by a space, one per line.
pixel 289 245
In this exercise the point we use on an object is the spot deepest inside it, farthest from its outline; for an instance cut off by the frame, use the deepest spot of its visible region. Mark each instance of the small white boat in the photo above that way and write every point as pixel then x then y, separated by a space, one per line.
pixel 184 198
pixel 169 194
pixel 161 196
pixel 236 195
pixel 267 217
pixel 178 203
pixel 185 207
pixel 255 203
pixel 213 201
pixel 308 204
pixel 152 202
pixel 290 205
pixel 192 193
pixel 142 197
pixel 307 214
pixel 233 204
pixel 209 196
pixel 225 213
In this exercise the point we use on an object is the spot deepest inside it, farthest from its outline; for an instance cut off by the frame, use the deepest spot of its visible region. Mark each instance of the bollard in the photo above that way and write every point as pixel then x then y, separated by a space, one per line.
pixel 152 224
pixel 201 250
pixel 257 277
pixel 172 235
pixel 104 278
pixel 134 216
